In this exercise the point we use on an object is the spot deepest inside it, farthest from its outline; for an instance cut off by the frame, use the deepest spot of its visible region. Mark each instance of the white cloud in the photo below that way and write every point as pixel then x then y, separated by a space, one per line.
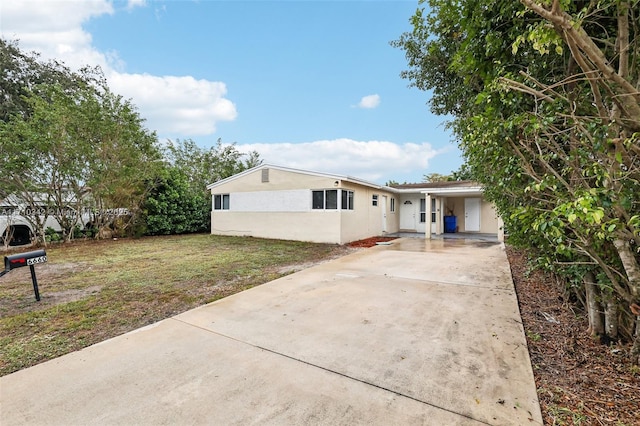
pixel 369 160
pixel 195 105
pixel 369 102
pixel 178 105
pixel 54 28
pixel 136 3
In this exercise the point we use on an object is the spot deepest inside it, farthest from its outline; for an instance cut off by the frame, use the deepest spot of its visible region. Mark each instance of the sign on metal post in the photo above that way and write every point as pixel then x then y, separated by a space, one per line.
pixel 29 258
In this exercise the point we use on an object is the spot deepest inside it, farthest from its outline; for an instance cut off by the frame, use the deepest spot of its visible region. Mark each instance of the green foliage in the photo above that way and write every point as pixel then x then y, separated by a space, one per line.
pixel 436 177
pixel 178 201
pixel 463 173
pixel 205 166
pixel 558 153
pixel 23 72
pixel 70 144
pixel 52 235
pixel 174 207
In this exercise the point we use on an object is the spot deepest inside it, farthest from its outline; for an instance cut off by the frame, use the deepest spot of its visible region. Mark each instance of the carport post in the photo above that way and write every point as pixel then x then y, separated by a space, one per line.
pixel 427 218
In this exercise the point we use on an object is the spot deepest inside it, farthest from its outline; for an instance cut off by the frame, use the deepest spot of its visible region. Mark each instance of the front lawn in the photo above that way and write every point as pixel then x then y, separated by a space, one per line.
pixel 94 290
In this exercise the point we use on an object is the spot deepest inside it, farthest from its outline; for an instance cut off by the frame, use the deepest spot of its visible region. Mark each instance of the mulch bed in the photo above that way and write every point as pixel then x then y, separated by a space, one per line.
pixel 370 242
pixel 580 381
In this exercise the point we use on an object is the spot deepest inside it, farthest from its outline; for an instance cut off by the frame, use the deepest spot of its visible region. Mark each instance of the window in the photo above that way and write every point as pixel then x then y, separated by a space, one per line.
pixel 347 200
pixel 332 199
pixel 392 205
pixel 433 210
pixel 423 210
pixel 221 202
pixel 324 199
pixel 374 200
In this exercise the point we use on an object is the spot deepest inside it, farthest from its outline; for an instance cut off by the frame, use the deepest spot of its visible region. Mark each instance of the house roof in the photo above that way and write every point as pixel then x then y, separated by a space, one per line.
pixel 306 172
pixel 451 188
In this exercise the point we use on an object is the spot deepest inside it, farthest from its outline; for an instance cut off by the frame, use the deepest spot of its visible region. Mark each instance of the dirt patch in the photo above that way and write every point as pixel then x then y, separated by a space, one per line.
pixel 23 296
pixel 579 380
pixel 370 242
pixel 65 296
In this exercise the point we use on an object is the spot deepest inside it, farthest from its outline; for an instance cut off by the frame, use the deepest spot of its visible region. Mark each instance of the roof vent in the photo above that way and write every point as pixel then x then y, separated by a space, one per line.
pixel 265 175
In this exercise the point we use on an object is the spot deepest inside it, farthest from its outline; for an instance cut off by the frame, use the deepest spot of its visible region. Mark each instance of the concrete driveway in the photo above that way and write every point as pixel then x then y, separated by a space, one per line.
pixel 415 332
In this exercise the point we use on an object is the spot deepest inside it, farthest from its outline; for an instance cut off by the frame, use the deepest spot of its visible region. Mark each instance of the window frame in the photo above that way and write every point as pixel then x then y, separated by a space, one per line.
pixel 346 199
pixel 423 210
pixel 374 200
pixel 221 201
pixel 325 199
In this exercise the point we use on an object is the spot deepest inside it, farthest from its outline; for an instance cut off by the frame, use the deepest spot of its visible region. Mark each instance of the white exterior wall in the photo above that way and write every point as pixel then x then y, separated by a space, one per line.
pixel 282 209
pixel 319 227
pixel 292 200
pixel 278 180
pixel 489 219
pixel 366 220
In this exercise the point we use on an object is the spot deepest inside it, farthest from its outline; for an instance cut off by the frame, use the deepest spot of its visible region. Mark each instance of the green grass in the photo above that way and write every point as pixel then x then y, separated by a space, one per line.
pixel 94 290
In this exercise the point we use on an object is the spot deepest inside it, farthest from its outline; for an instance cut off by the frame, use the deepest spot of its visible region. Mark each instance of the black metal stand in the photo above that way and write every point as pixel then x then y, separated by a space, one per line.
pixel 29 259
pixel 35 282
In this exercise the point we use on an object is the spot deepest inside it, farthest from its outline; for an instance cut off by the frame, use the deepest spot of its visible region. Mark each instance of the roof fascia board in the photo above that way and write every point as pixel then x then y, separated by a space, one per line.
pixel 468 189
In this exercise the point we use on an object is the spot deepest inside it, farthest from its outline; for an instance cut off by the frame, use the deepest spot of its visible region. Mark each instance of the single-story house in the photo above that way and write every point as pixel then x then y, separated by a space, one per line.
pixel 270 201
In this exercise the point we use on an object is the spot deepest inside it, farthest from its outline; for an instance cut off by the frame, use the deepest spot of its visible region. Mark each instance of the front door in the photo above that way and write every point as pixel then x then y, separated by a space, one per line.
pixel 408 215
pixel 383 207
pixel 472 214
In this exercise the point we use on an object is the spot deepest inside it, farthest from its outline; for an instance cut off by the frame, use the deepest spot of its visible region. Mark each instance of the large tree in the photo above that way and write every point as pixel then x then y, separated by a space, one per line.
pixel 21 73
pixel 70 145
pixel 545 97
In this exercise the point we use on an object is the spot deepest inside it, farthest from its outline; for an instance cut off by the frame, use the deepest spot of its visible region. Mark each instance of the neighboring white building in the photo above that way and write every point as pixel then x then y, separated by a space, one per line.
pixel 270 201
pixel 13 223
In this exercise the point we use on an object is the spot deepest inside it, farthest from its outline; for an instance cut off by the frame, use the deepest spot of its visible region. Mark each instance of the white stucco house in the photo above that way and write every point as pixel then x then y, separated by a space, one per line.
pixel 270 201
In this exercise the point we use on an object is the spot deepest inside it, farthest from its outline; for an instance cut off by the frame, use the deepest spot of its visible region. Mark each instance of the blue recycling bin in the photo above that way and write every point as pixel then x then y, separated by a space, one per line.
pixel 450 224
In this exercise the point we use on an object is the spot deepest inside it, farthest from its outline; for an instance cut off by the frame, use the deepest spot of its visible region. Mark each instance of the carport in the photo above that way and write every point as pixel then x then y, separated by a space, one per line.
pixel 447 208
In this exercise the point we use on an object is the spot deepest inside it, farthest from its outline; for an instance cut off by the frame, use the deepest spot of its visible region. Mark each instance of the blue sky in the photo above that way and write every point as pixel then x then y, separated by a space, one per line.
pixel 308 84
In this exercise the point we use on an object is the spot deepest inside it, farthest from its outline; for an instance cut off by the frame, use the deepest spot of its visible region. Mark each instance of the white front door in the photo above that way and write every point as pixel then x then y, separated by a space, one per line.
pixel 408 215
pixel 383 207
pixel 472 214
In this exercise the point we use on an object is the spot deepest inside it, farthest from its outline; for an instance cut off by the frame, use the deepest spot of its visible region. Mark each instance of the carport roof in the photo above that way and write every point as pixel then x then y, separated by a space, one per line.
pixel 447 188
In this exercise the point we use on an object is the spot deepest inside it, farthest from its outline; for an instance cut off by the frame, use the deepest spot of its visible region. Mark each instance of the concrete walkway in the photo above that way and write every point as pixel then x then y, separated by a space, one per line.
pixel 415 332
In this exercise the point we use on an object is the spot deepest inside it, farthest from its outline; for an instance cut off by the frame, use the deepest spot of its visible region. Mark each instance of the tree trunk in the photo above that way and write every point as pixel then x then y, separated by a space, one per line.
pixel 635 350
pixel 630 265
pixel 594 308
pixel 611 318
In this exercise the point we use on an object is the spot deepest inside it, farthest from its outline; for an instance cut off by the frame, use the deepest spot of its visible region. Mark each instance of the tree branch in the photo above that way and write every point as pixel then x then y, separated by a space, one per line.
pixel 585 45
